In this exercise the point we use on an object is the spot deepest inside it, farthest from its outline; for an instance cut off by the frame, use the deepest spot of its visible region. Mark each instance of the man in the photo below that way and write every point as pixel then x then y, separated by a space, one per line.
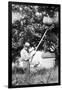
pixel 25 52
pixel 24 60
pixel 24 55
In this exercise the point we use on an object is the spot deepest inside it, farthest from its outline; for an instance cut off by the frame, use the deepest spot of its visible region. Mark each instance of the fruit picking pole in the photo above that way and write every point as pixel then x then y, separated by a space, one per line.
pixel 41 39
pixel 52 26
pixel 39 43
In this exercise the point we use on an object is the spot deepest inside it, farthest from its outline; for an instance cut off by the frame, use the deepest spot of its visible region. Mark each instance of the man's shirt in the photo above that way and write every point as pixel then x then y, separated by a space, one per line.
pixel 24 54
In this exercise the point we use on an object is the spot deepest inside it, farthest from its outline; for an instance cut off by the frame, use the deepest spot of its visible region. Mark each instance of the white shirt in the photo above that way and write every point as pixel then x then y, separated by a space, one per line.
pixel 24 54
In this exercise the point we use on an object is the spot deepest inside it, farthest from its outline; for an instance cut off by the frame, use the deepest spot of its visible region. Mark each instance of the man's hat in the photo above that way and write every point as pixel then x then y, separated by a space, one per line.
pixel 27 44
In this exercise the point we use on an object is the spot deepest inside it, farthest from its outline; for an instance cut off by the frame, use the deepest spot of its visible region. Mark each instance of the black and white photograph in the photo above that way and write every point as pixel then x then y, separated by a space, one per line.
pixel 34 44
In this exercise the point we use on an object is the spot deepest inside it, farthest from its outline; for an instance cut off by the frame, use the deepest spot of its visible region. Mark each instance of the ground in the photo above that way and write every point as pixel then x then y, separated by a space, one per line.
pixel 40 77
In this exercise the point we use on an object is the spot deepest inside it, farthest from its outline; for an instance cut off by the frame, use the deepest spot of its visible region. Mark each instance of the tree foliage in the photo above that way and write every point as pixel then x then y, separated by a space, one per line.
pixel 27 25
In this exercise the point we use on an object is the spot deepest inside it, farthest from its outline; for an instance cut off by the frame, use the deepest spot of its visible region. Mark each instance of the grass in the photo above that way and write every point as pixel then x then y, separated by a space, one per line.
pixel 39 77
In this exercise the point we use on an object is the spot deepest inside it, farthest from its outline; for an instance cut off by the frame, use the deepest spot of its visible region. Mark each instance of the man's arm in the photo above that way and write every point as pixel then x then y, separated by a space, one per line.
pixel 25 55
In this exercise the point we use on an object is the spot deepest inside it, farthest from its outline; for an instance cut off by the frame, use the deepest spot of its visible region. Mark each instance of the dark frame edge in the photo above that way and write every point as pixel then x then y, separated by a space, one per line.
pixel 9 44
pixel 31 3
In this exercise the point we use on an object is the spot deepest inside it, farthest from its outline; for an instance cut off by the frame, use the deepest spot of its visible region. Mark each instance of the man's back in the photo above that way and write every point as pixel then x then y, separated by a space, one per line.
pixel 24 54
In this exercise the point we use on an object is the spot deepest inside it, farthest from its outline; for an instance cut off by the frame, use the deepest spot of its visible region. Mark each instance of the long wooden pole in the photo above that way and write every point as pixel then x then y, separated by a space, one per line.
pixel 41 39
pixel 52 26
pixel 39 43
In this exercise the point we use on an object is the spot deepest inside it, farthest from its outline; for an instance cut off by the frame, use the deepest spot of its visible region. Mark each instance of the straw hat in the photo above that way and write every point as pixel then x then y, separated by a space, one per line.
pixel 27 44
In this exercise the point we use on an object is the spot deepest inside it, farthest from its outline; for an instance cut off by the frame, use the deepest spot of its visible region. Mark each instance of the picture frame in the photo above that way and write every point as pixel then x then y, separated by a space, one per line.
pixel 12 18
